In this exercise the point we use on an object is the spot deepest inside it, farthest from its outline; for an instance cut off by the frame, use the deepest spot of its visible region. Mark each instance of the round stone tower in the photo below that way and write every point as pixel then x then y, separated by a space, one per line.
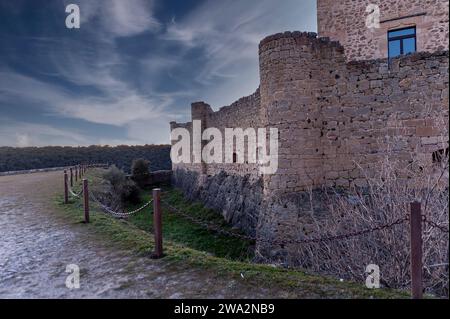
pixel 298 71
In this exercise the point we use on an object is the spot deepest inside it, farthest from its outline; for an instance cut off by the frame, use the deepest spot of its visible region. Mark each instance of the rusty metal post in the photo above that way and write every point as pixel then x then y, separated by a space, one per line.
pixel 416 251
pixel 86 200
pixel 71 177
pixel 157 223
pixel 66 188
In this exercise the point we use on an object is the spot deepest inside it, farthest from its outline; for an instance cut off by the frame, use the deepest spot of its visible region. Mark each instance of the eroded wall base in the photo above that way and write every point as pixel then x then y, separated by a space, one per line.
pixel 237 198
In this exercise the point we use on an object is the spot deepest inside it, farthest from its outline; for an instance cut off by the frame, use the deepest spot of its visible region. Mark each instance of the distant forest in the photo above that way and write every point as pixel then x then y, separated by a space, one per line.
pixel 16 159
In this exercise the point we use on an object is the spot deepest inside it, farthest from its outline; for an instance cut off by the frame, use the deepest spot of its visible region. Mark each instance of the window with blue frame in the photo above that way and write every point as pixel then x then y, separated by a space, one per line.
pixel 402 41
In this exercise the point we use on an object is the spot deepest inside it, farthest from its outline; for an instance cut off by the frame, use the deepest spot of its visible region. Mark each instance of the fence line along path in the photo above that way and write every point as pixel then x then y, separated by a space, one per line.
pixel 415 218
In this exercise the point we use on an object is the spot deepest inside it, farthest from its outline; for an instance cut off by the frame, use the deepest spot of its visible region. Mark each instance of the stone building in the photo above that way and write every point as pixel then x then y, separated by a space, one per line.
pixel 345 21
pixel 344 97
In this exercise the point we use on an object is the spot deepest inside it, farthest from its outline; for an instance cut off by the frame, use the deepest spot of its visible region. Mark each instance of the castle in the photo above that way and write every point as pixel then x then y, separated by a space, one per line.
pixel 337 98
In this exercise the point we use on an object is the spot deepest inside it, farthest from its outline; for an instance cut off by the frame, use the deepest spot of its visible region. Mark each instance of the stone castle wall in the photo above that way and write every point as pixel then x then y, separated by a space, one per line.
pixel 345 21
pixel 331 115
pixel 233 189
pixel 338 119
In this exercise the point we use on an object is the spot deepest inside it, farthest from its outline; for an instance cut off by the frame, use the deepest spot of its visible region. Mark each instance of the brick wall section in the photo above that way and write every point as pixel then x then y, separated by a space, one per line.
pixel 345 21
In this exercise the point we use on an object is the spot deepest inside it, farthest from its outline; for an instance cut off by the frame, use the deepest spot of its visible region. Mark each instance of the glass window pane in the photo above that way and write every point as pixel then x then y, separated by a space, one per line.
pixel 394 48
pixel 409 45
pixel 398 33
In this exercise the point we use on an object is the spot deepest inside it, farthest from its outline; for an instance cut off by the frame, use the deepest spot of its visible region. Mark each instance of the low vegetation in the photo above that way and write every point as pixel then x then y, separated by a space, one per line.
pixel 385 198
pixel 189 245
pixel 15 159
pixel 118 190
pixel 140 170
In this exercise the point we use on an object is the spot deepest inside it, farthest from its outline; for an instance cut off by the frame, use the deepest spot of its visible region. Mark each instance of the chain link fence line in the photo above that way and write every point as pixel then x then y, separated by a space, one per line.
pixel 93 198
pixel 431 223
pixel 415 218
pixel 76 195
pixel 217 229
pixel 116 214
pixel 313 240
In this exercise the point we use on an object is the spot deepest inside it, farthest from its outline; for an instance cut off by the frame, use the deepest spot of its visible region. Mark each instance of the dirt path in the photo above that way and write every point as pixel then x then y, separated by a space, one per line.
pixel 36 245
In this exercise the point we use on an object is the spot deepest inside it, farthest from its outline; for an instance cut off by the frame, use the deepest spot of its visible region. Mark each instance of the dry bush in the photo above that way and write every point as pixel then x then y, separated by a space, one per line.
pixel 385 199
pixel 115 189
pixel 140 170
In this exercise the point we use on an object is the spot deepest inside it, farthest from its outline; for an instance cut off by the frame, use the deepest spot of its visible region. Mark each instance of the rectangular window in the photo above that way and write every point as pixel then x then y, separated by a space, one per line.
pixel 402 41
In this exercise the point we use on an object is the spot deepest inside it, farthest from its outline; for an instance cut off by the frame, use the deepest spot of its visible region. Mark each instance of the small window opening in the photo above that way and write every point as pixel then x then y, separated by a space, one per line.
pixel 402 41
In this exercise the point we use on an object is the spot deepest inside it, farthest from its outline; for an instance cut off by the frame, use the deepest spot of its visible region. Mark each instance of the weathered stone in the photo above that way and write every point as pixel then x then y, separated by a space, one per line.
pixel 332 109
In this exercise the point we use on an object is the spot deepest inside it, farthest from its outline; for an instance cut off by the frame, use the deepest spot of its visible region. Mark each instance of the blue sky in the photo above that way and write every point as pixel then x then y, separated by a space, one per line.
pixel 132 67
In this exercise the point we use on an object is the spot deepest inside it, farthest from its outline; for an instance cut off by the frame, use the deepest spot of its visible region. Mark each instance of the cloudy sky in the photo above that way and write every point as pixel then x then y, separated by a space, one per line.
pixel 132 67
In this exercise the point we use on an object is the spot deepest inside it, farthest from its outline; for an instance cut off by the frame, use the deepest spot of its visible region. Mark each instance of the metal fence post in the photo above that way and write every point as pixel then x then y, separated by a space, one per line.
pixel 71 177
pixel 416 251
pixel 157 223
pixel 79 171
pixel 86 200
pixel 66 188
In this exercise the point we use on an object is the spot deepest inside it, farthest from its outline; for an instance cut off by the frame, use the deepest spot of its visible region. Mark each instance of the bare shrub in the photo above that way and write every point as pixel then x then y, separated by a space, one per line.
pixel 140 170
pixel 117 189
pixel 384 199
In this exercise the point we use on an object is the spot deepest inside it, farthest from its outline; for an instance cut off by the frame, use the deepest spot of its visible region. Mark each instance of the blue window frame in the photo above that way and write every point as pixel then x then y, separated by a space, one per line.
pixel 402 41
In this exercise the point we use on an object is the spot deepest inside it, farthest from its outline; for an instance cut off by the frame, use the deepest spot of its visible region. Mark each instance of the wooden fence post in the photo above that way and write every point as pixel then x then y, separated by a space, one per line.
pixel 416 251
pixel 66 188
pixel 157 223
pixel 71 177
pixel 79 171
pixel 86 200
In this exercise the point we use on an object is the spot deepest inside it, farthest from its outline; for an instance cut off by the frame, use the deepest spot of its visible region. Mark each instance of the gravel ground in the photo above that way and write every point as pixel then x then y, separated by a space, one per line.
pixel 36 245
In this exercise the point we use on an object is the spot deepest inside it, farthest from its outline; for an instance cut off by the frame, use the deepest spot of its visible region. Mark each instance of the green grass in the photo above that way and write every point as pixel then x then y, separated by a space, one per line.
pixel 182 249
pixel 178 229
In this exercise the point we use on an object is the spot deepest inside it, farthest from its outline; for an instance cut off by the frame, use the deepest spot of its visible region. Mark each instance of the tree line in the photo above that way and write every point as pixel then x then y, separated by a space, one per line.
pixel 16 159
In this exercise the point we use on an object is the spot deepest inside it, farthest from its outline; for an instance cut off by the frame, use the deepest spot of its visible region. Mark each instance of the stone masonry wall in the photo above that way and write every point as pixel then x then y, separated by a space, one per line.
pixel 333 115
pixel 234 190
pixel 345 21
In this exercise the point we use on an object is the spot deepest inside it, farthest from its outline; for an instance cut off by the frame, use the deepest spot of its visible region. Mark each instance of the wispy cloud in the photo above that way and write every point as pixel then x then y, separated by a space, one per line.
pixel 108 74
pixel 118 18
pixel 23 134
pixel 118 108
pixel 229 32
